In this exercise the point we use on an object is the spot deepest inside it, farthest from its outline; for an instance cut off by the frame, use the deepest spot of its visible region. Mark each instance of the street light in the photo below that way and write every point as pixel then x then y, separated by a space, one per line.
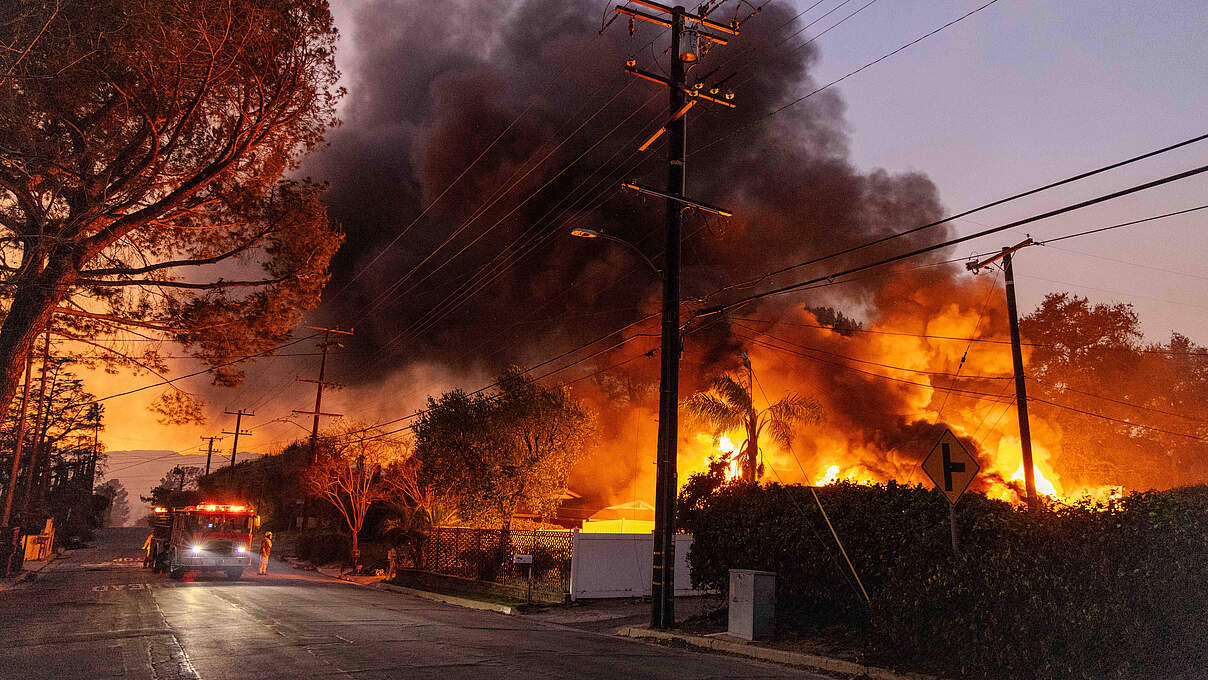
pixel 592 233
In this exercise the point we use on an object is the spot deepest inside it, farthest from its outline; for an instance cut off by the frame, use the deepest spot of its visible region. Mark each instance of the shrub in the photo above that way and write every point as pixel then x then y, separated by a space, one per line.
pixel 324 547
pixel 1083 591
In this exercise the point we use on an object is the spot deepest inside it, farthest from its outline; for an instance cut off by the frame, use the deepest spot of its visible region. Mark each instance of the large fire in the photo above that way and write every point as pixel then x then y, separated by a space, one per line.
pixel 888 391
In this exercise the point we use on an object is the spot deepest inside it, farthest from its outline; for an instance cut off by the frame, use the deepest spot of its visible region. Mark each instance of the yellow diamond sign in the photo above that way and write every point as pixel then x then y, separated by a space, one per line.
pixel 950 467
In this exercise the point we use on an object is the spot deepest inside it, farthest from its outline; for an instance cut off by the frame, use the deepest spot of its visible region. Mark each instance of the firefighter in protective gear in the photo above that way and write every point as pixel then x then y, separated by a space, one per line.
pixel 148 557
pixel 266 547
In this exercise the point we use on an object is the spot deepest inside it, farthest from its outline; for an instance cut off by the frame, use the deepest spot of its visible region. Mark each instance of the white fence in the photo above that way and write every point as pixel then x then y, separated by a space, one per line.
pixel 620 565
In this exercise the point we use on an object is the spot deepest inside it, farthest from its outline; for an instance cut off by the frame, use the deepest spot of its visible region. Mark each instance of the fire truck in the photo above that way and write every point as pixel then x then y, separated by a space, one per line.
pixel 208 537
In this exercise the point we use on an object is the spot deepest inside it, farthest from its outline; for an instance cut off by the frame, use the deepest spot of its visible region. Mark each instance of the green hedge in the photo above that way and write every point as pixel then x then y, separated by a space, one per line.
pixel 1116 590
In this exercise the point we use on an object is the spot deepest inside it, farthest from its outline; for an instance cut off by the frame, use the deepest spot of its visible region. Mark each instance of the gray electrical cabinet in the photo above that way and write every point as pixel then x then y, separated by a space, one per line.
pixel 752 603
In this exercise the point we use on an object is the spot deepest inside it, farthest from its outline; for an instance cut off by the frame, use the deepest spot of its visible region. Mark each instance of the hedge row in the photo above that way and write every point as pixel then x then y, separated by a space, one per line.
pixel 324 547
pixel 1115 590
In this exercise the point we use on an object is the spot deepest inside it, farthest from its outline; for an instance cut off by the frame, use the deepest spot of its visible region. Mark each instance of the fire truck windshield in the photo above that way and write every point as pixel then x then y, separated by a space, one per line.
pixel 221 523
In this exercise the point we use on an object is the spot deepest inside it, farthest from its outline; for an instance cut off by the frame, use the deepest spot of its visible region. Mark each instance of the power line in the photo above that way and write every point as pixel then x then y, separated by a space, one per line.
pixel 109 472
pixel 845 77
pixel 425 321
pixel 574 117
pixel 1122 402
pixel 844 331
pixel 956 390
pixel 512 254
pixel 939 414
pixel 557 78
pixel 875 363
pixel 193 374
pixel 995 203
pixel 826 30
pixel 394 241
pixel 377 301
pixel 541 364
pixel 951 242
pixel 1117 420
pixel 984 395
pixel 1088 232
pixel 1073 284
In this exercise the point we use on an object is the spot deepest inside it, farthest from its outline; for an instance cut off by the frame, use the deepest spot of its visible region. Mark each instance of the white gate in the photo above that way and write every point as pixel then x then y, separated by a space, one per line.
pixel 620 565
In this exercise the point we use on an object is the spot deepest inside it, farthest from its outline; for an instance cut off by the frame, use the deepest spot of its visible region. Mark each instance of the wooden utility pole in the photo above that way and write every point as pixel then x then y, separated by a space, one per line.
pixel 12 478
pixel 750 463
pixel 1021 389
pixel 94 414
pixel 33 455
pixel 235 445
pixel 314 432
pixel 686 35
pixel 210 450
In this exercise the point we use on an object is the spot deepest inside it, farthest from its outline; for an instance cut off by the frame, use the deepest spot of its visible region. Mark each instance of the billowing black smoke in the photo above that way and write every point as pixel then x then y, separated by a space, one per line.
pixel 429 90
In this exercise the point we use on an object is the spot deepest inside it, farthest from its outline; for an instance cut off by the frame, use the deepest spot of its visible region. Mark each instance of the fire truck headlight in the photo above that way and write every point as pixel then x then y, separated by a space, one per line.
pixel 196 549
pixel 240 549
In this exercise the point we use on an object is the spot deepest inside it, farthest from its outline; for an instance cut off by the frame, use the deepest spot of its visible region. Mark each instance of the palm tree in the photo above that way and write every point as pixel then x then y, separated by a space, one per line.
pixel 727 404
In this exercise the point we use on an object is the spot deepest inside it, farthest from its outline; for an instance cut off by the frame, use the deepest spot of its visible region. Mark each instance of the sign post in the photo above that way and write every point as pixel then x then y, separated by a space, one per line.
pixel 951 468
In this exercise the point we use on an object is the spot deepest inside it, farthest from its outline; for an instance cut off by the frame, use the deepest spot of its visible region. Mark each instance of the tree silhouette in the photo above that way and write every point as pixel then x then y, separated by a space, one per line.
pixel 142 151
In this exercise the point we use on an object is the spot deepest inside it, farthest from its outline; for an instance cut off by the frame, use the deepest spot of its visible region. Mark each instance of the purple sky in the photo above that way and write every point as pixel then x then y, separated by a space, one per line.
pixel 1025 92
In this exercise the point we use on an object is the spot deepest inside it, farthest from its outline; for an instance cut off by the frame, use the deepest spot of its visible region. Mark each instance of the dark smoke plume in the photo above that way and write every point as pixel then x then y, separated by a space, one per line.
pixel 430 90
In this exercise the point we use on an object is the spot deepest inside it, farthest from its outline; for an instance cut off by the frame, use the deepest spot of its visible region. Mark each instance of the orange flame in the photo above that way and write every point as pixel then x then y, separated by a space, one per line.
pixel 906 379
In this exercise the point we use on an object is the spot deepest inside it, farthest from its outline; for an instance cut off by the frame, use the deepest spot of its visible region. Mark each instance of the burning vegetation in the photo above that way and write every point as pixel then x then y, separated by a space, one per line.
pixel 889 388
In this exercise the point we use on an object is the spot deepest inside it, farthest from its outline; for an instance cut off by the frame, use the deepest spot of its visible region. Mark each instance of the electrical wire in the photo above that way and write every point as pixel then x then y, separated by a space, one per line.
pixel 193 374
pixel 841 79
pixel 425 321
pixel 989 396
pixel 1088 232
pixel 985 206
pixel 557 78
pixel 955 390
pixel 1122 402
pixel 385 294
pixel 875 363
pixel 1116 420
pixel 951 242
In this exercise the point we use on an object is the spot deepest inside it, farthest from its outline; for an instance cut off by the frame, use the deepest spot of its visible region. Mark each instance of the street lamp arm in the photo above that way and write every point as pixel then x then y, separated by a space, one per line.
pixel 592 233
pixel 649 263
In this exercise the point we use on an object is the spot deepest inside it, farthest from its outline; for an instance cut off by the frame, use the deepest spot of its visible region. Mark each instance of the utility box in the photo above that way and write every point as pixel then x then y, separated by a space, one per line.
pixel 752 603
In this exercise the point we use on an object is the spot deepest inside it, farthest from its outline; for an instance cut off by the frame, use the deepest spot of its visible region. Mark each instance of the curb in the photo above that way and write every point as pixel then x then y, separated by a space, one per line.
pixel 749 650
pixel 28 575
pixel 448 599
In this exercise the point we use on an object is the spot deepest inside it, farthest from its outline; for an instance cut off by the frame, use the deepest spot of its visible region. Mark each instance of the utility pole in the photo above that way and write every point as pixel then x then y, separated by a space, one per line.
pixel 686 35
pixel 12 478
pixel 314 432
pixel 210 450
pixel 235 446
pixel 750 463
pixel 1021 390
pixel 94 413
pixel 38 432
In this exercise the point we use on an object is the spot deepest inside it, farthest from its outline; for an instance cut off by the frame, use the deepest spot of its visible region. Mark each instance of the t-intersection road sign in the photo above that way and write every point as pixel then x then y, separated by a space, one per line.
pixel 950 467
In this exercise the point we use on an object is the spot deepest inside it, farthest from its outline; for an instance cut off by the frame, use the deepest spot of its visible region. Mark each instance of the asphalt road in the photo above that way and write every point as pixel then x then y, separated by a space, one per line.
pixel 98 614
